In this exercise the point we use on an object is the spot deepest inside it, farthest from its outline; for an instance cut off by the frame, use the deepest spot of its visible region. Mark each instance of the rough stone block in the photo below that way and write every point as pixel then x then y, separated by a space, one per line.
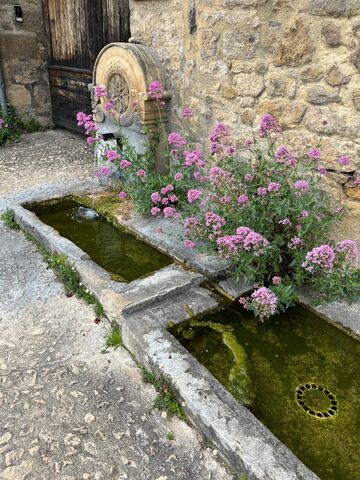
pixel 249 85
pixel 323 96
pixel 335 77
pixel 331 34
pixel 18 96
pixel 335 8
pixel 295 47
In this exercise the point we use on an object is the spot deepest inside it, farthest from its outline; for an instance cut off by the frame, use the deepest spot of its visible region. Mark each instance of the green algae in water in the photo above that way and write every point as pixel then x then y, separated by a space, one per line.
pixel 283 353
pixel 118 252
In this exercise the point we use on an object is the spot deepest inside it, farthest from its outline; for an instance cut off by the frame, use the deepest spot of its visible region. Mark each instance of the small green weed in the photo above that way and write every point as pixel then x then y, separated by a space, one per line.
pixel 113 338
pixel 165 400
pixel 15 125
pixel 170 436
pixel 8 218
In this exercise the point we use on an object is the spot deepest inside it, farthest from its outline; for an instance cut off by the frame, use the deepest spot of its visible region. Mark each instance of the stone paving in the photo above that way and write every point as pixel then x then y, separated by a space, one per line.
pixel 68 408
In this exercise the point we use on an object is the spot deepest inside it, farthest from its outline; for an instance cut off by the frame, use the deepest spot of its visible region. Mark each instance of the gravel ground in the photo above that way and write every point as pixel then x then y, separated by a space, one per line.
pixel 69 409
pixel 38 158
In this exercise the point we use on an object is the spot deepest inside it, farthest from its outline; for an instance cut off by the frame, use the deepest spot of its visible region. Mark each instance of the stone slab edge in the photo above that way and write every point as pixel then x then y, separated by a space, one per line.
pixel 244 442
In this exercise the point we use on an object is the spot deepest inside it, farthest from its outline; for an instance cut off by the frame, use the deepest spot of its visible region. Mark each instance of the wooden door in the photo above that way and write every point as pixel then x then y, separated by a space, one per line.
pixel 76 32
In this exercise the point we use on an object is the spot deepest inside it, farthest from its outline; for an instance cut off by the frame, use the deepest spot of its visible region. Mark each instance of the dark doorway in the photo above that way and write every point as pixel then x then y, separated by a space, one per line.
pixel 76 31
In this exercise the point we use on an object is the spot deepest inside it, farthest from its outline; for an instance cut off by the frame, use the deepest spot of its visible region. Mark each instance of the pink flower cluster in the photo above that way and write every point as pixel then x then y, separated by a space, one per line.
pixel 193 195
pixel 245 239
pixel 103 172
pixel 217 136
pixel 112 155
pixel 155 90
pixel 194 158
pixel 263 301
pixel 164 201
pixel 283 155
pixel 349 249
pixel 2 123
pixel 314 153
pixel 187 113
pixel 100 91
pixel 214 221
pixel 323 257
pixel 268 125
pixel 86 121
pixel 124 164
pixel 176 140
pixel 302 186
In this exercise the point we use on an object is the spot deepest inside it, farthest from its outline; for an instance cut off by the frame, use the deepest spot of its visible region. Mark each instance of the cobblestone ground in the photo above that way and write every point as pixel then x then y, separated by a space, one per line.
pixel 67 409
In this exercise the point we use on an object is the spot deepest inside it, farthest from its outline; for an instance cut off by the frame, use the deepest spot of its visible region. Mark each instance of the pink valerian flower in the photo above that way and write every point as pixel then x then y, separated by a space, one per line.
pixel 243 199
pixel 214 221
pixel 228 245
pixel 100 91
pixel 169 212
pixel 248 177
pixel 167 189
pixel 103 171
pixel 194 158
pixel 242 232
pixel 283 155
pixel 268 125
pixel 111 155
pixel 122 195
pixel 273 187
pixel 249 142
pixel 193 195
pixel 2 123
pixel 357 182
pixel 189 244
pixel 255 242
pixel 155 211
pixel 90 140
pixel 349 249
pixel 155 90
pixel 124 164
pixel 264 303
pixel 276 280
pixel 285 221
pixel 90 127
pixel 322 170
pixel 219 132
pixel 344 160
pixel 225 200
pixel 314 154
pixel 82 118
pixel 294 243
pixel 173 198
pixel 108 106
pixel 176 140
pixel 229 151
pixel 323 257
pixel 339 210
pixel 302 186
pixel 178 176
pixel 216 147
pixel 201 178
pixel 155 197
pixel 187 113
pixel 140 173
pixel 262 192
pixel 191 222
pixel 164 201
pixel 243 301
pixel 304 214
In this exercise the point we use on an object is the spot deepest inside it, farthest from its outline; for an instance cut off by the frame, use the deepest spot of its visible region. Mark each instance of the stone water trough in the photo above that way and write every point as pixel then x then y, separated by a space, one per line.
pixel 188 286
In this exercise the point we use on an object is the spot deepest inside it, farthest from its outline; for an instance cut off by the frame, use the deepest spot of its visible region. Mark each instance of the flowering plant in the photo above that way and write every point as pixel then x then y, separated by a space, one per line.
pixel 260 207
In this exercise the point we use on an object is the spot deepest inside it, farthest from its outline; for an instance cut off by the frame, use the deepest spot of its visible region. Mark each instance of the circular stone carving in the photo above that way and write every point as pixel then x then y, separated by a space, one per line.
pixel 118 92
pixel 316 400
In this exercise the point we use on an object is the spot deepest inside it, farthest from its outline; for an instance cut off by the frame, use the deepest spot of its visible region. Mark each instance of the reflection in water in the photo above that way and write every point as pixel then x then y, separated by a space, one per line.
pixel 113 249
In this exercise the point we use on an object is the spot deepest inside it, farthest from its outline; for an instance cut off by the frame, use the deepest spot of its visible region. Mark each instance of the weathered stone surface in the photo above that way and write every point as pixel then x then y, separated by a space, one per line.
pixel 249 85
pixel 331 35
pixel 322 96
pixel 355 59
pixel 312 73
pixel 289 113
pixel 229 91
pixel 295 47
pixel 276 88
pixel 356 98
pixel 336 8
pixel 240 44
pixel 20 96
pixel 335 77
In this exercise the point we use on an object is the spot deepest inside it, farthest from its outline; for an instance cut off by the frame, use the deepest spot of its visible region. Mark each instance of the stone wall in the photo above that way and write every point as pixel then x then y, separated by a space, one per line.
pixel 23 59
pixel 233 60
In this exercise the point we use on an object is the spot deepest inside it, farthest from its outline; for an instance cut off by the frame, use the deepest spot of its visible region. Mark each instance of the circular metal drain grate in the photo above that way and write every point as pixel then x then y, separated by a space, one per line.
pixel 316 400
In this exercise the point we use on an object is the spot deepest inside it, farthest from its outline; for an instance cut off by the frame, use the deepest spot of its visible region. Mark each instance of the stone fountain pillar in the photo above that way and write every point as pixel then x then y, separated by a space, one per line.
pixel 126 70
